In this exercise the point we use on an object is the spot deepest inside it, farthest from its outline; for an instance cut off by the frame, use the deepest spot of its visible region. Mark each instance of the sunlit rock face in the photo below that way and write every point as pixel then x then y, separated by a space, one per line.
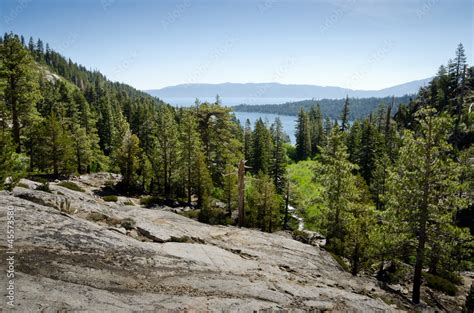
pixel 75 251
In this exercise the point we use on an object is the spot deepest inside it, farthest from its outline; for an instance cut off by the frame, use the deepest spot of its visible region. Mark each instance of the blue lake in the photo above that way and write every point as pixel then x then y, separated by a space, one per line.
pixel 288 122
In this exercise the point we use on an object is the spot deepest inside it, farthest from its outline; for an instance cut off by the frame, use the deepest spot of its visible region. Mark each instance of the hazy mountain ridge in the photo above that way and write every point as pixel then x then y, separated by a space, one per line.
pixel 264 90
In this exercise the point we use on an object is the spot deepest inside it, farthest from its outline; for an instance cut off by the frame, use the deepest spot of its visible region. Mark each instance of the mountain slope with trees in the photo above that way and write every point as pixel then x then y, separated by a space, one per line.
pixel 391 191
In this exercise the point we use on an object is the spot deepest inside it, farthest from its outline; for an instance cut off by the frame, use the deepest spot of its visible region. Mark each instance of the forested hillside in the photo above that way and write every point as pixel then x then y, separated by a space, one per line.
pixel 360 107
pixel 391 190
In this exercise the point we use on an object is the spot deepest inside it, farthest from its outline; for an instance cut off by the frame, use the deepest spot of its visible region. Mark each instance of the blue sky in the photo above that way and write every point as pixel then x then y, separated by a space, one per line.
pixel 359 44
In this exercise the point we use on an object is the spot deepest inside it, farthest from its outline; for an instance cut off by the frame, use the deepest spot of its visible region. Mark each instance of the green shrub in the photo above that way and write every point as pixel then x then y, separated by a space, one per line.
pixel 340 261
pixel 453 277
pixel 301 236
pixel 70 185
pixel 218 193
pixel 149 201
pixel 110 198
pixel 440 284
pixel 213 216
pixel 396 273
pixel 128 202
pixel 127 223
pixel 44 187
pixel 229 221
pixel 191 214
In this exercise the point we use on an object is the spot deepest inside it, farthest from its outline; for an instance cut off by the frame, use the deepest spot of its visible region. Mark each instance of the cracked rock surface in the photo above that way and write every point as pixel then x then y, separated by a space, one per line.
pixel 73 253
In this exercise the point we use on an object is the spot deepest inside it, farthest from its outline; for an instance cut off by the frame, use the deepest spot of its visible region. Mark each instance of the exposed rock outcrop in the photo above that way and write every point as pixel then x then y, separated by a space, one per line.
pixel 88 259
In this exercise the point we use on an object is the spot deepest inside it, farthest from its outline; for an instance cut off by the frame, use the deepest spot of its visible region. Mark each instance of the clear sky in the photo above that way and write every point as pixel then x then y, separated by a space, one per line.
pixel 359 44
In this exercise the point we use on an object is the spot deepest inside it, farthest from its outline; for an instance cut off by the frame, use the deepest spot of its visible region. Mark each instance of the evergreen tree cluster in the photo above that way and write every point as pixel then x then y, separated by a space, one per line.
pixel 60 119
pixel 398 187
pixel 266 156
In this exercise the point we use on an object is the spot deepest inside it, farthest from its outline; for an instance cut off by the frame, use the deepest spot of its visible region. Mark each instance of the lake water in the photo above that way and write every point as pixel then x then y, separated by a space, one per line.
pixel 288 122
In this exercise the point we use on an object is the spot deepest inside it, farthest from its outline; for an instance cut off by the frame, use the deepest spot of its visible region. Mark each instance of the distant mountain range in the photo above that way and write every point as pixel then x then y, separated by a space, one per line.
pixel 276 90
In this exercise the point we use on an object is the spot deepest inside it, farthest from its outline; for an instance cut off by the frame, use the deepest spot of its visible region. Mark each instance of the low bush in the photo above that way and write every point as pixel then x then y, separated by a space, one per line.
pixel 301 236
pixel 214 216
pixel 453 277
pixel 127 223
pixel 149 201
pixel 395 273
pixel 191 214
pixel 44 187
pixel 70 185
pixel 110 198
pixel 440 284
pixel 340 261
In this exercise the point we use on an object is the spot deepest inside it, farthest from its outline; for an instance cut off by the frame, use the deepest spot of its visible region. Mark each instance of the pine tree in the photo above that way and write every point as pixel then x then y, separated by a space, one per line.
pixel 166 134
pixel 145 172
pixel 31 45
pixel 82 148
pixel 303 136
pixel 354 142
pixel 21 90
pixel 203 183
pixel 230 188
pixel 220 138
pixel 340 187
pixel 370 150
pixel 378 185
pixel 47 56
pixel 278 168
pixel 128 158
pixel 7 159
pixel 345 115
pixel 57 145
pixel 317 129
pixel 190 144
pixel 39 49
pixel 261 148
pixel 248 141
pixel 105 123
pixel 460 62
pixel 424 184
pixel 359 223
pixel 266 203
pixel 327 127
pixel 119 129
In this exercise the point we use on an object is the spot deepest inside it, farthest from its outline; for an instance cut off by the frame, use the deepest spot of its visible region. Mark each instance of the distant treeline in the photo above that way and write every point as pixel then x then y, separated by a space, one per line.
pixel 360 107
